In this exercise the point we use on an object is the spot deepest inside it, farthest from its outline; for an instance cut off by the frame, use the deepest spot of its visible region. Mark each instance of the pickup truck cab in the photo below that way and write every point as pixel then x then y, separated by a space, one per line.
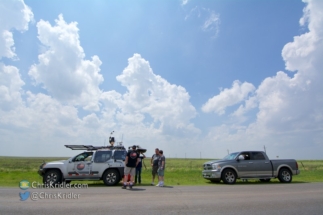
pixel 96 163
pixel 249 165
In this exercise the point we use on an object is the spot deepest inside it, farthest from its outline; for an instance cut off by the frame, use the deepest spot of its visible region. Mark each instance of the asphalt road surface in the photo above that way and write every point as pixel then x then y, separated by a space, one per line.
pixel 258 199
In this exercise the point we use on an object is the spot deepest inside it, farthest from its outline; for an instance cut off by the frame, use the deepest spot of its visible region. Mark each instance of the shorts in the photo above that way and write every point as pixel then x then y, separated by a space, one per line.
pixel 154 170
pixel 129 170
pixel 160 172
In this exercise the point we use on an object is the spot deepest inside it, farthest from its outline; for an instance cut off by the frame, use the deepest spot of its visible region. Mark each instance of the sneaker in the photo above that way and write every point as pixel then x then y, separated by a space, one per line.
pixel 157 185
pixel 124 187
pixel 130 186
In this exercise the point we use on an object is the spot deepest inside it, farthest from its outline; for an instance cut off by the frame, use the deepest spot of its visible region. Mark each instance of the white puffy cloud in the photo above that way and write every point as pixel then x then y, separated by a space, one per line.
pixel 10 87
pixel 14 15
pixel 289 112
pixel 228 97
pixel 62 69
pixel 167 104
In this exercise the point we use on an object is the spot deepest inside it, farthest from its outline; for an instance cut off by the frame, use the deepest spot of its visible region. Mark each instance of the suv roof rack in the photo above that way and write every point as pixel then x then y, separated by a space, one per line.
pixel 91 148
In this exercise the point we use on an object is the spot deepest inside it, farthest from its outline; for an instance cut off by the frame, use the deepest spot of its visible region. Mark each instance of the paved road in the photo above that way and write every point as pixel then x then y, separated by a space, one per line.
pixel 266 199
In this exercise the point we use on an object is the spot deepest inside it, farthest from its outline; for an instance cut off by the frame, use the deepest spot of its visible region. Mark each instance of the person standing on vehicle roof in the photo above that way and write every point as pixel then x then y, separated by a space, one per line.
pixel 131 161
pixel 154 165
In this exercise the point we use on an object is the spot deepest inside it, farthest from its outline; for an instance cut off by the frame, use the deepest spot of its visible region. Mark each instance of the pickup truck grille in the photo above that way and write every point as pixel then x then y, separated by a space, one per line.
pixel 207 166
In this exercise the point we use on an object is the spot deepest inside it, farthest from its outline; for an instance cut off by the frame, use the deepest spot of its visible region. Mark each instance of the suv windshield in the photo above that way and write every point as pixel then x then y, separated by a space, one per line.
pixel 230 156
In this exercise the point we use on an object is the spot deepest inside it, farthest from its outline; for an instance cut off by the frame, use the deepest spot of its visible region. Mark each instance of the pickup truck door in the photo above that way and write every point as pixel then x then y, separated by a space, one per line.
pixel 245 167
pixel 263 167
pixel 80 166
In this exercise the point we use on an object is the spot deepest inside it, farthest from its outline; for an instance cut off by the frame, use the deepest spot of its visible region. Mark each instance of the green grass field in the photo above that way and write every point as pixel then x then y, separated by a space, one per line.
pixel 178 172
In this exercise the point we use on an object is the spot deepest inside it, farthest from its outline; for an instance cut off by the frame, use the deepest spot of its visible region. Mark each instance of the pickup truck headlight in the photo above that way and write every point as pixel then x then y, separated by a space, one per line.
pixel 216 166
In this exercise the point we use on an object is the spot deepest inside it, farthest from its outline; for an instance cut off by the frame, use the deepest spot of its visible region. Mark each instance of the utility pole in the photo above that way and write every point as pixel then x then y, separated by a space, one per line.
pixel 200 155
pixel 228 151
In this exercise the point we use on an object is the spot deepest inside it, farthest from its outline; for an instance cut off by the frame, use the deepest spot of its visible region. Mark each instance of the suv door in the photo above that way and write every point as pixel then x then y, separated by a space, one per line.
pixel 100 163
pixel 80 166
pixel 262 166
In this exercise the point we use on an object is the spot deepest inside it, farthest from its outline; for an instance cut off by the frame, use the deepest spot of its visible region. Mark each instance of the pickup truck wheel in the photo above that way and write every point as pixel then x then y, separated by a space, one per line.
pixel 52 177
pixel 265 180
pixel 111 177
pixel 229 176
pixel 285 176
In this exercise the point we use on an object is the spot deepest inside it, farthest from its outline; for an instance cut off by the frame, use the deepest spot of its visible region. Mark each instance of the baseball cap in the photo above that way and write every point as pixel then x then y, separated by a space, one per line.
pixel 134 146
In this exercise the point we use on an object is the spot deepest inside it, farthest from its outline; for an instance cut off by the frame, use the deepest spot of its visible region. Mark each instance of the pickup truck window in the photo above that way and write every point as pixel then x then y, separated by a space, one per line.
pixel 231 156
pixel 258 156
pixel 102 156
pixel 246 155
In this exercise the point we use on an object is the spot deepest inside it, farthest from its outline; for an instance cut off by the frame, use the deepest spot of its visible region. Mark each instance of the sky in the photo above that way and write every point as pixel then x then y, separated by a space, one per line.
pixel 196 78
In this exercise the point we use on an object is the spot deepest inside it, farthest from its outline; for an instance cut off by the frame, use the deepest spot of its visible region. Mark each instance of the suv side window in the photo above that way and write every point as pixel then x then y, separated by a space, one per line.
pixel 102 156
pixel 120 155
pixel 85 156
pixel 258 156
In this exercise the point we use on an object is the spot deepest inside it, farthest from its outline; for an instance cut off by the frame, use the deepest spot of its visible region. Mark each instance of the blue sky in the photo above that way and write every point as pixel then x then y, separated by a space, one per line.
pixel 217 75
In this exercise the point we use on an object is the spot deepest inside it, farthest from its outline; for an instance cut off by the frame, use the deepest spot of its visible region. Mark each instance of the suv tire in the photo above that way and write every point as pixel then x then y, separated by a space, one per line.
pixel 52 177
pixel 111 177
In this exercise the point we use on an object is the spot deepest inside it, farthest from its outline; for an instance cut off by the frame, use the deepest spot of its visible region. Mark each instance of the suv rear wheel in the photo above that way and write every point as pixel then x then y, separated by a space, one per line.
pixel 111 177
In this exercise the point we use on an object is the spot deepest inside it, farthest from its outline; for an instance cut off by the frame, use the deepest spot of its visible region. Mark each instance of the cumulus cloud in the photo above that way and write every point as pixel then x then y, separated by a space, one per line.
pixel 10 87
pixel 62 69
pixel 14 15
pixel 228 97
pixel 289 110
pixel 167 104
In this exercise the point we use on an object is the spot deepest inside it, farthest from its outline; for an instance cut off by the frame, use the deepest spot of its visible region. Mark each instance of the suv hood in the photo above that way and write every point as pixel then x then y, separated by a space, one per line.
pixel 56 162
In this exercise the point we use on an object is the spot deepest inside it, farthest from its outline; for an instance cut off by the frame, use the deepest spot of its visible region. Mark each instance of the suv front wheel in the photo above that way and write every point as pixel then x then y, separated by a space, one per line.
pixel 52 177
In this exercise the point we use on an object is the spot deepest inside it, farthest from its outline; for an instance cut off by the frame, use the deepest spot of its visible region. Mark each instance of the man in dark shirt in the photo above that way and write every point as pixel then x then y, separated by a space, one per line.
pixel 139 167
pixel 131 161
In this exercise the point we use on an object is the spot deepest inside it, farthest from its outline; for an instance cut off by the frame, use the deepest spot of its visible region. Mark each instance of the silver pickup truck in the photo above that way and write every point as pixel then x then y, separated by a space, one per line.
pixel 96 163
pixel 249 165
